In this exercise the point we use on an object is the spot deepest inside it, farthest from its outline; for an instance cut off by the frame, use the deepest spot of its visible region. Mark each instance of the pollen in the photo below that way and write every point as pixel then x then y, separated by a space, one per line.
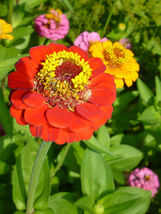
pixel 64 79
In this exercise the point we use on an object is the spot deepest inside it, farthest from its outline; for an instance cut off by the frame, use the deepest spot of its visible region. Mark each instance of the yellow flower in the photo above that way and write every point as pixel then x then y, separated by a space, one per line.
pixel 5 28
pixel 119 61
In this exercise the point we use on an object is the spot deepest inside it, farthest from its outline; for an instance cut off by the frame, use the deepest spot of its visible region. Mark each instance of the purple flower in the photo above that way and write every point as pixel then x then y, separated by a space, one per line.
pixel 146 179
pixel 125 43
pixel 84 39
pixel 53 25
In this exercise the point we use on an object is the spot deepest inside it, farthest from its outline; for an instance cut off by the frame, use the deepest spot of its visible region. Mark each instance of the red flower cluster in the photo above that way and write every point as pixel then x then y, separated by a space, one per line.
pixel 62 94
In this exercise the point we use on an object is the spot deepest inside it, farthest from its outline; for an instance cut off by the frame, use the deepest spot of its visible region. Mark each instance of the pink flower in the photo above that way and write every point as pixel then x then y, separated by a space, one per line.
pixel 84 39
pixel 146 179
pixel 53 25
pixel 125 42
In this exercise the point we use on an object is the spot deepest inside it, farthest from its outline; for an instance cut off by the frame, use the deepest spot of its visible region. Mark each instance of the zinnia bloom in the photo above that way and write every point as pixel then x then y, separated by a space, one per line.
pixel 62 94
pixel 146 179
pixel 5 28
pixel 53 25
pixel 125 42
pixel 119 61
pixel 85 39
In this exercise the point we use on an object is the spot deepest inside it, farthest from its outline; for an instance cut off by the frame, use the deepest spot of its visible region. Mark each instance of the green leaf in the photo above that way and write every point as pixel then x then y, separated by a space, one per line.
pixel 118 176
pixel 150 116
pixel 158 90
pixel 126 200
pixel 146 93
pixel 5 117
pixel 126 157
pixel 95 145
pixel 86 203
pixel 62 206
pixel 96 175
pixel 4 168
pixel 17 17
pixel 22 174
pixel 103 136
pixel 44 211
pixel 123 100
pixel 31 3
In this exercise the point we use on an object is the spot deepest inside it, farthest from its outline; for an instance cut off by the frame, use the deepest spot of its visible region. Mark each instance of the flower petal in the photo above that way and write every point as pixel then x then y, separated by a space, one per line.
pixel 33 99
pixel 97 65
pixel 80 52
pixel 36 116
pixel 17 80
pixel 58 117
pixel 18 115
pixel 16 99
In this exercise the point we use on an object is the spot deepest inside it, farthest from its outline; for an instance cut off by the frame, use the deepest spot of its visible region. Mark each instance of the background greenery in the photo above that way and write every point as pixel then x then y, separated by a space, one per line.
pixel 93 177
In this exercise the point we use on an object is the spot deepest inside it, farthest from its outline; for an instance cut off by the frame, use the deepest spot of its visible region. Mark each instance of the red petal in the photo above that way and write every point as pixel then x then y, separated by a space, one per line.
pixel 26 66
pixel 80 52
pixel 16 99
pixel 58 117
pixel 18 115
pixel 39 53
pixel 36 116
pixel 102 96
pixel 17 80
pixel 103 79
pixel 84 135
pixel 97 65
pixel 57 47
pixel 107 110
pixel 92 113
pixel 33 99
pixel 36 131
pixel 77 123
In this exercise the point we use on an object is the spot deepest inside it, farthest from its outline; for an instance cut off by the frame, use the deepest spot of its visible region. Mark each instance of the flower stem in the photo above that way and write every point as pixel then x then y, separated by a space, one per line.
pixel 10 11
pixel 40 157
pixel 66 149
pixel 107 22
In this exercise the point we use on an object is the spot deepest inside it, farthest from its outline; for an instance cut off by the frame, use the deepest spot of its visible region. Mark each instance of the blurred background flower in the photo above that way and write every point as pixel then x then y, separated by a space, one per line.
pixel 85 38
pixel 5 29
pixel 53 25
pixel 146 179
pixel 125 42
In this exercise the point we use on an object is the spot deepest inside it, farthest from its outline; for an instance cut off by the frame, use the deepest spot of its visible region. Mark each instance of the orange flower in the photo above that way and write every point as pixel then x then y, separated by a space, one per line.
pixel 62 94
pixel 119 61
pixel 5 28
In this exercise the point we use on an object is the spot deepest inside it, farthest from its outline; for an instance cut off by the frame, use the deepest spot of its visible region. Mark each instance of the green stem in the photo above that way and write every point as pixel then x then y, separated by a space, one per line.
pixel 10 11
pixel 40 157
pixel 107 22
pixel 66 149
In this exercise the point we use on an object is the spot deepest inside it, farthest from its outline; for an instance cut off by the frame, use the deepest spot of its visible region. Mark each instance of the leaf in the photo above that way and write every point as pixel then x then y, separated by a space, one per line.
pixel 96 175
pixel 158 90
pixel 123 100
pixel 4 168
pixel 118 175
pixel 126 200
pixel 5 117
pixel 22 174
pixel 103 136
pixel 145 92
pixel 117 139
pixel 44 211
pixel 126 157
pixel 150 116
pixel 86 203
pixel 18 14
pixel 95 145
pixel 61 206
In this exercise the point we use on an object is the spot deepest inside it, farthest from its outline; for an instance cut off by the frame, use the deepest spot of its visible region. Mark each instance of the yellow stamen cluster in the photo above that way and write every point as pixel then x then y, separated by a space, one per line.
pixel 75 89
pixel 56 15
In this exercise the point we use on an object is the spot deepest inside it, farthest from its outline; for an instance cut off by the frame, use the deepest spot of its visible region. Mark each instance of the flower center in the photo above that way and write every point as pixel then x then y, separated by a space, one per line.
pixel 53 15
pixel 147 178
pixel 64 79
pixel 114 56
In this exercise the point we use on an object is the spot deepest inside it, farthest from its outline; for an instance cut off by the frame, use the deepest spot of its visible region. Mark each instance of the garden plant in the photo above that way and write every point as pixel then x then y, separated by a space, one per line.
pixel 80 107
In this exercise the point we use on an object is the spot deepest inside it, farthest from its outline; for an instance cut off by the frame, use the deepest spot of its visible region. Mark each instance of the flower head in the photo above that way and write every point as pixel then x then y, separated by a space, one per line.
pixel 62 94
pixel 53 25
pixel 146 179
pixel 85 39
pixel 5 28
pixel 125 42
pixel 119 61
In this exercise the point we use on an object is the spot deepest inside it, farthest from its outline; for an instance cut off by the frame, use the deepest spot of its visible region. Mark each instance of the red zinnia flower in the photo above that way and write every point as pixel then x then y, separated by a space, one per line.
pixel 62 94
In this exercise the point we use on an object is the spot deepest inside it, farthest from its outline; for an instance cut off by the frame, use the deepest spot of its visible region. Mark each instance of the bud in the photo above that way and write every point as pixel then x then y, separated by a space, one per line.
pixel 98 209
pixel 122 26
